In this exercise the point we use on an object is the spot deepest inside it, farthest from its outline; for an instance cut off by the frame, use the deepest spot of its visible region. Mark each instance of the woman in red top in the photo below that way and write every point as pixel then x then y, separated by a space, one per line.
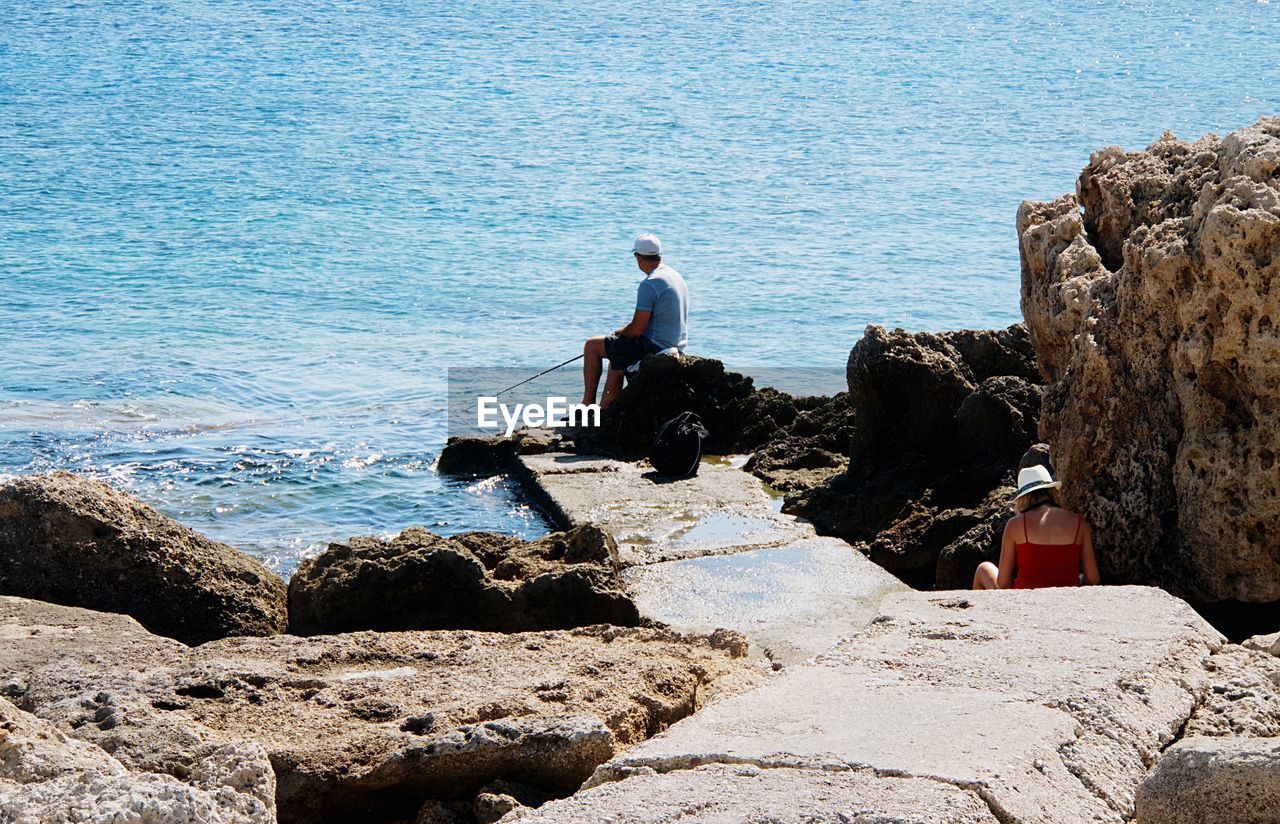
pixel 1043 545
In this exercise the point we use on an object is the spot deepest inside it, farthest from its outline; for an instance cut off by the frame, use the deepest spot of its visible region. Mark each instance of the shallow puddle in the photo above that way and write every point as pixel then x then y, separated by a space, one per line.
pixel 724 528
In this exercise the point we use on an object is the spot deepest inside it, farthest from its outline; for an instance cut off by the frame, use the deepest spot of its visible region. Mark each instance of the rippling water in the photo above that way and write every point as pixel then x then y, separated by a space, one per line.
pixel 241 242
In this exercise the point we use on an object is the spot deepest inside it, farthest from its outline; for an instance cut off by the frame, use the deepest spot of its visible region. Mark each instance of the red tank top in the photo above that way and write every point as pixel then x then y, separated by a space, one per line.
pixel 1047 565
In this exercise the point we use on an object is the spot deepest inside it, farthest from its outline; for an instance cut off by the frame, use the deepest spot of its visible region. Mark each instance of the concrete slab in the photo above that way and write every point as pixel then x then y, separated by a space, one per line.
pixel 1049 704
pixel 792 601
pixel 721 509
pixel 713 551
pixel 731 794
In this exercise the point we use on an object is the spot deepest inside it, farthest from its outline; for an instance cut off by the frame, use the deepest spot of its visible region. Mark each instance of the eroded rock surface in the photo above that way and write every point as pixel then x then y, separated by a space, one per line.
pixel 364 726
pixel 1154 315
pixel 48 776
pixel 1045 705
pixel 1227 768
pixel 1213 779
pixel 72 540
pixel 476 580
pixel 1243 698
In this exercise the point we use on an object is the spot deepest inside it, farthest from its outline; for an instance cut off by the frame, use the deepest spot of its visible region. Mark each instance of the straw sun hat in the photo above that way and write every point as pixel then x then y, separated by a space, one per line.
pixel 1033 478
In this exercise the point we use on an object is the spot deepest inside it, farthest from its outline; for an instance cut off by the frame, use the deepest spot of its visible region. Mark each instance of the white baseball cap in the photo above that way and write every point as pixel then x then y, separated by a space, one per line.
pixel 647 245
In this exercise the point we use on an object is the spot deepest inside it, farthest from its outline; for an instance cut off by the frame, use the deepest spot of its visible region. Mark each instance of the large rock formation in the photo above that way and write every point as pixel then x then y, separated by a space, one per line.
pixel 365 726
pixel 476 580
pixel 936 425
pixel 76 541
pixel 1151 297
pixel 48 776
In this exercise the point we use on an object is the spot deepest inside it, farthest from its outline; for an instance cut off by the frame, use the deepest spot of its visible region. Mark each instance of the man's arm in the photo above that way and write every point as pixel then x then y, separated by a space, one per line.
pixel 646 296
pixel 636 327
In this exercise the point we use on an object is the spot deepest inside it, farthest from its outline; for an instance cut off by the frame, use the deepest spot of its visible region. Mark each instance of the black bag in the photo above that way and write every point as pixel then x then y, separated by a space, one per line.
pixel 677 448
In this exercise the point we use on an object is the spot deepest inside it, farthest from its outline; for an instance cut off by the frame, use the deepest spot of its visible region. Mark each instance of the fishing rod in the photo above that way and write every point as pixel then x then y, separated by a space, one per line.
pixel 540 374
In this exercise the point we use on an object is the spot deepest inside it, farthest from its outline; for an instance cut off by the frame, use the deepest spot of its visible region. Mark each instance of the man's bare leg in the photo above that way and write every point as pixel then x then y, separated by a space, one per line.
pixel 592 366
pixel 612 386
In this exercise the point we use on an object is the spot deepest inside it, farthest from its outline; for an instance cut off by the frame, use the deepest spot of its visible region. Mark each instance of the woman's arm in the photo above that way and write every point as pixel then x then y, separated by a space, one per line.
pixel 1088 564
pixel 1008 557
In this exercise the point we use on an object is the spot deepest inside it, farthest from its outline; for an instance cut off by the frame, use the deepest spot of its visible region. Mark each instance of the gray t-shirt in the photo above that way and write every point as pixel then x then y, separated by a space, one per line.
pixel 663 293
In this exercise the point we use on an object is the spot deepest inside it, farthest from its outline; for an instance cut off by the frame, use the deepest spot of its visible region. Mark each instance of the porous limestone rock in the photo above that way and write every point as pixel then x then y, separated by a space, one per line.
pixel 1243 698
pixel 1264 643
pixel 476 580
pixel 1213 779
pixel 1151 298
pixel 76 541
pixel 363 726
pixel 48 777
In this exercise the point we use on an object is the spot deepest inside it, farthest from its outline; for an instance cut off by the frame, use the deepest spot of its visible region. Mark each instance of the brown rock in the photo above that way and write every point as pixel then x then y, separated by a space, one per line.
pixel 933 433
pixel 477 580
pixel 1153 314
pixel 503 797
pixel 798 443
pixel 906 388
pixel 664 387
pixel 466 455
pixel 75 541
pixel 476 456
pixel 365 726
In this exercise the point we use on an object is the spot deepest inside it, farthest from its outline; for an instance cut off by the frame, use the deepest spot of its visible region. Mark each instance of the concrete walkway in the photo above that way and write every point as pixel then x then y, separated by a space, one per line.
pixel 893 705
pixel 713 551
pixel 1029 706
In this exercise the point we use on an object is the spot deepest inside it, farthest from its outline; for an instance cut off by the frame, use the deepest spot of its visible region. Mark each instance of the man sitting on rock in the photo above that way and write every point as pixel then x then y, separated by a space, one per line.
pixel 660 325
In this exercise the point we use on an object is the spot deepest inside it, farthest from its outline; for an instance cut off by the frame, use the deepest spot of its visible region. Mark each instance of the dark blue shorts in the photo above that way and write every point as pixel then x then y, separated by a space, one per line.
pixel 625 352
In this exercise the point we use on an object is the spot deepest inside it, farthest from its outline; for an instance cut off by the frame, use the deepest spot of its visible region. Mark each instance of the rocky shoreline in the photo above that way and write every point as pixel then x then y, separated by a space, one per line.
pixel 718 649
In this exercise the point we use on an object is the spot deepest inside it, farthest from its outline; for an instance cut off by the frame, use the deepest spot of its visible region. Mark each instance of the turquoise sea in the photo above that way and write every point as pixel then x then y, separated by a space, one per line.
pixel 241 242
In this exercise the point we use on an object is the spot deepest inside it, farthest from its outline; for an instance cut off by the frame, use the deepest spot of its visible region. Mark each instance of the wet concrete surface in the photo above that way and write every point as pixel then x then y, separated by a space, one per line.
pixel 793 601
pixel 715 551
